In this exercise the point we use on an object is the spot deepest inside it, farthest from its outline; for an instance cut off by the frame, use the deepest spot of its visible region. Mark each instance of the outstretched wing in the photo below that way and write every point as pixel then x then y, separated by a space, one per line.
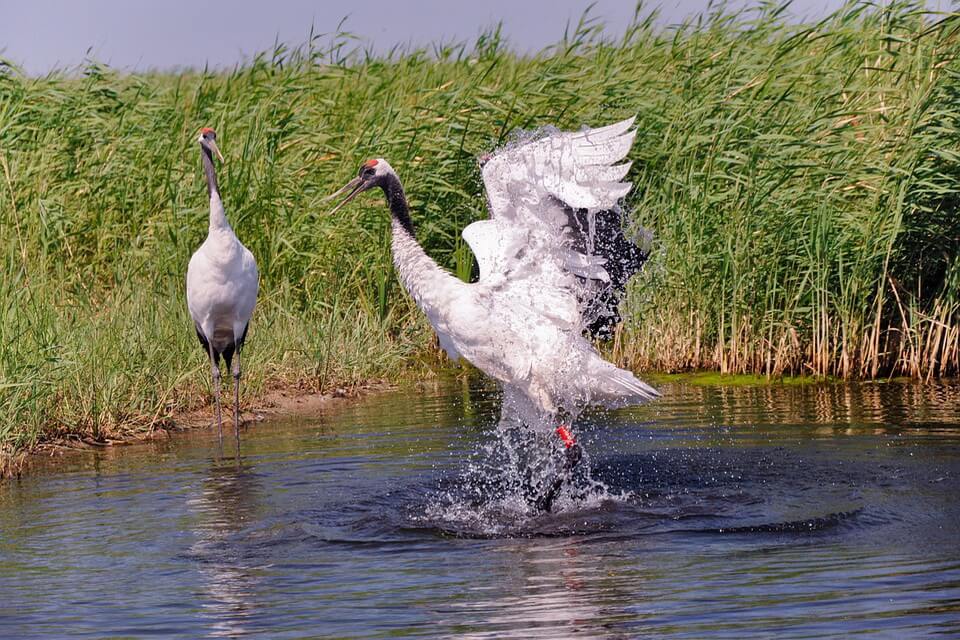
pixel 555 224
pixel 577 168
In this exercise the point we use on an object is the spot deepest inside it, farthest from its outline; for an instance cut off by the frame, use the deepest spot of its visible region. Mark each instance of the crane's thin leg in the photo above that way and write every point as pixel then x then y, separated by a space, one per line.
pixel 573 456
pixel 573 451
pixel 236 398
pixel 215 373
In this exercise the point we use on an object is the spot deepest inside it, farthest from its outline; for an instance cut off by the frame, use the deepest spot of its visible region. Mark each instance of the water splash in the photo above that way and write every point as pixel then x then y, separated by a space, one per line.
pixel 497 492
pixel 555 262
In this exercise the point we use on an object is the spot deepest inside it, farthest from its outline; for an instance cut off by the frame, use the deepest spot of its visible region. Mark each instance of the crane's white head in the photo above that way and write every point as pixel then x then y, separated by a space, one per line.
pixel 375 172
pixel 208 141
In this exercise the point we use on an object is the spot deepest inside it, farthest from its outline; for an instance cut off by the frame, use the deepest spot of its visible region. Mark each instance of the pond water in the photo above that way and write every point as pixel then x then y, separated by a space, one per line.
pixel 786 511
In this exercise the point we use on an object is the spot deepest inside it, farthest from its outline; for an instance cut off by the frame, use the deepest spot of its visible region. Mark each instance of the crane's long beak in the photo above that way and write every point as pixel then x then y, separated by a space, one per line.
pixel 213 145
pixel 354 187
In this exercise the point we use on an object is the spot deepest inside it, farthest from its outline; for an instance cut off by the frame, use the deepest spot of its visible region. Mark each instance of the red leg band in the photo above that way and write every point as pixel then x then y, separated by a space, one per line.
pixel 564 434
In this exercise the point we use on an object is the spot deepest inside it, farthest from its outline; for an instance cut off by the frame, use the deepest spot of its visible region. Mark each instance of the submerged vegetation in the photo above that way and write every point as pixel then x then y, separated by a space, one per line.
pixel 800 181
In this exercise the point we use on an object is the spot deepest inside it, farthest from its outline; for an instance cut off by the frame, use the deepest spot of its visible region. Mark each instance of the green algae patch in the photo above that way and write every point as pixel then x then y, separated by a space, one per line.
pixel 715 378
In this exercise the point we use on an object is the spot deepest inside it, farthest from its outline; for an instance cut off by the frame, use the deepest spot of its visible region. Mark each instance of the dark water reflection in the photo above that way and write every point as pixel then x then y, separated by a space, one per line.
pixel 728 512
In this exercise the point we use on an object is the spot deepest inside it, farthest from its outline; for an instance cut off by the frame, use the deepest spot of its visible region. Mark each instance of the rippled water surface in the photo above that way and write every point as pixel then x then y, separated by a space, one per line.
pixel 723 512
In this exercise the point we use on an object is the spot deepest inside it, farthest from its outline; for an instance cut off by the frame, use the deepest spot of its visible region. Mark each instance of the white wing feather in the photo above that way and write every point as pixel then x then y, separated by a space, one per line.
pixel 526 246
pixel 577 168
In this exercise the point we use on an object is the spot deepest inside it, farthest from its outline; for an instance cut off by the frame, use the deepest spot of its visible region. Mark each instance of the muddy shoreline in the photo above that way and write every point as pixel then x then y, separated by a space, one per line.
pixel 283 402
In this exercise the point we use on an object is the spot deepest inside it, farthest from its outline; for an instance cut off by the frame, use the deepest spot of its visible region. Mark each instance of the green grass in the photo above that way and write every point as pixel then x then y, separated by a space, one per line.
pixel 801 183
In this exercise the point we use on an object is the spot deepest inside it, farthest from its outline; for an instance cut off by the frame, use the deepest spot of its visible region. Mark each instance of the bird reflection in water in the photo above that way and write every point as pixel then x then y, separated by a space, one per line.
pixel 227 502
pixel 553 589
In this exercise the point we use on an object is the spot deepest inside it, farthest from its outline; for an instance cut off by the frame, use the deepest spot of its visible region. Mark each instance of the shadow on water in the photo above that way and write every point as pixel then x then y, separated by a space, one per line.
pixel 795 512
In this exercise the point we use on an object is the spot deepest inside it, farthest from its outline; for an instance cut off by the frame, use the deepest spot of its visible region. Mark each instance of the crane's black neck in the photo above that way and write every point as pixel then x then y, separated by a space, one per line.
pixel 209 170
pixel 397 201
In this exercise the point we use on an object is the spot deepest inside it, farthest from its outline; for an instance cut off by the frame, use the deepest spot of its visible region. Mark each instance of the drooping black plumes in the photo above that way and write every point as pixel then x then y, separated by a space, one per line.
pixel 601 234
pixel 228 351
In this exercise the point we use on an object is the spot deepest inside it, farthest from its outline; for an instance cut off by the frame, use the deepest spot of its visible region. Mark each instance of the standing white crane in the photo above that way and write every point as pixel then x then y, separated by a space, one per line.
pixel 553 262
pixel 222 283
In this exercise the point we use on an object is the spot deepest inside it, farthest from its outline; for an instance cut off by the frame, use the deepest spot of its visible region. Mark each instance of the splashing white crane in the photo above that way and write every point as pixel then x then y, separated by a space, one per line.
pixel 553 261
pixel 222 283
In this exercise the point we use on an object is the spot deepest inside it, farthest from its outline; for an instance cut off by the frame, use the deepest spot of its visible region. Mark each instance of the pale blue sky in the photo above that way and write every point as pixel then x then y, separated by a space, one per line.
pixel 136 34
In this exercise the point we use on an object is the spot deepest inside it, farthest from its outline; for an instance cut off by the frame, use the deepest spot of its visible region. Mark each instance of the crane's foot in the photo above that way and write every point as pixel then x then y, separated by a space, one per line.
pixel 573 455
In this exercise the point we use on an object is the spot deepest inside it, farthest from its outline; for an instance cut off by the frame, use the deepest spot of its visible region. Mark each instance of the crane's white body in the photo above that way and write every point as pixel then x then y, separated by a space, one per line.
pixel 522 322
pixel 222 283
